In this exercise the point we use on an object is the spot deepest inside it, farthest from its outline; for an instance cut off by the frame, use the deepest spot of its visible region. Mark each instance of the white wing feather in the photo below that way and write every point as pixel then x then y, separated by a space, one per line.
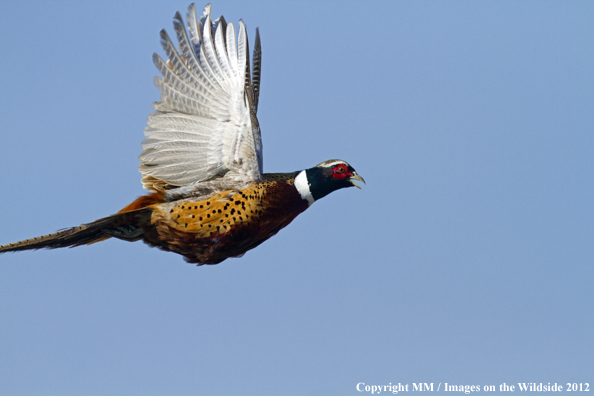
pixel 205 126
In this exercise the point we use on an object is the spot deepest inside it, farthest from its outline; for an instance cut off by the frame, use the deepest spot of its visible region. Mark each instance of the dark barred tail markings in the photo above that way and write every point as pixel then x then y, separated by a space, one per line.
pixel 123 226
pixel 202 157
pixel 126 225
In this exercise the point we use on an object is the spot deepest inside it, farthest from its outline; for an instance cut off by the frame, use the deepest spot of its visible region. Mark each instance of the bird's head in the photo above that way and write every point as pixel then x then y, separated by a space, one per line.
pixel 319 181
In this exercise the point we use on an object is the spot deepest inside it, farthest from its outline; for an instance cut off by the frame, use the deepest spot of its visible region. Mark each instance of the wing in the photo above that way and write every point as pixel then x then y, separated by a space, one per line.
pixel 205 125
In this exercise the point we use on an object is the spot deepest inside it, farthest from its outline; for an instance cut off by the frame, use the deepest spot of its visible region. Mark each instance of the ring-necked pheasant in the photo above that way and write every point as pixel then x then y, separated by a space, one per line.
pixel 202 157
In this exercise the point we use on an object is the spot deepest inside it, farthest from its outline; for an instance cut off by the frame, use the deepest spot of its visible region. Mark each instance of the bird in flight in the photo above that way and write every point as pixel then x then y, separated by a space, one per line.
pixel 202 157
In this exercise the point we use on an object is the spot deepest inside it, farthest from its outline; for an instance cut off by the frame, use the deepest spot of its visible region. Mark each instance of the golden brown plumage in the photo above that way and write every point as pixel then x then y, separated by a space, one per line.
pixel 226 224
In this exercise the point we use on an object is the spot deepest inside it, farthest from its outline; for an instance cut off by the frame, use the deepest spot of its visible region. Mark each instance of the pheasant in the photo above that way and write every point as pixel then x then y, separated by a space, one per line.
pixel 202 157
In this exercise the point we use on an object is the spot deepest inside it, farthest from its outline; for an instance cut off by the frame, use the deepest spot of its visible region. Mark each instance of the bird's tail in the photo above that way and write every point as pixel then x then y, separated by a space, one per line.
pixel 127 226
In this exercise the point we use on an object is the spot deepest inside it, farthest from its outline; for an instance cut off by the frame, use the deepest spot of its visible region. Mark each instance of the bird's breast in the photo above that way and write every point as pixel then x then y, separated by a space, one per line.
pixel 226 224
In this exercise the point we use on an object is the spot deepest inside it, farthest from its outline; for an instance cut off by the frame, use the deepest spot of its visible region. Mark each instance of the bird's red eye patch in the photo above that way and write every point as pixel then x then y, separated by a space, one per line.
pixel 340 171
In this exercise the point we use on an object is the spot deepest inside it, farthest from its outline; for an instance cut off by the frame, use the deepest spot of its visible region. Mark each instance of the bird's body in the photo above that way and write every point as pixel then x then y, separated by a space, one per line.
pixel 202 158
pixel 227 224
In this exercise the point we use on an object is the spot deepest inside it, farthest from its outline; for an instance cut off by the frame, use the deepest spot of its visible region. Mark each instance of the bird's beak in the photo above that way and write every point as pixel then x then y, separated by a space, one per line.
pixel 356 177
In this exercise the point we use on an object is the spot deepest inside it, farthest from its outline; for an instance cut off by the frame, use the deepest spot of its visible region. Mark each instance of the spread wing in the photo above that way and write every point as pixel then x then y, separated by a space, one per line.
pixel 205 125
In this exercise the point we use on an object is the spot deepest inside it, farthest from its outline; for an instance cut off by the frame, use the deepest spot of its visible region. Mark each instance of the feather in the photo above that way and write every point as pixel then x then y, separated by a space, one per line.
pixel 256 70
pixel 204 127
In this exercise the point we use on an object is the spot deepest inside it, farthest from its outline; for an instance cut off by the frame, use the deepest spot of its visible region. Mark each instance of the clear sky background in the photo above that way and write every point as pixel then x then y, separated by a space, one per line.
pixel 467 259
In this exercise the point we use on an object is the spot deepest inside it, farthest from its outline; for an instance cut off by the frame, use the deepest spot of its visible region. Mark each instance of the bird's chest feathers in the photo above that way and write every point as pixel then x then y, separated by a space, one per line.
pixel 263 208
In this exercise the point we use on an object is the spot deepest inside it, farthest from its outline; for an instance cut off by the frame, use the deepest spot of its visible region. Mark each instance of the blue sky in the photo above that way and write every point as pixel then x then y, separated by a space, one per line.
pixel 467 258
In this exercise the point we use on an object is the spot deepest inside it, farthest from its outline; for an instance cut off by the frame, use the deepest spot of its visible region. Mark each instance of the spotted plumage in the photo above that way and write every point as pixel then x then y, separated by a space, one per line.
pixel 202 157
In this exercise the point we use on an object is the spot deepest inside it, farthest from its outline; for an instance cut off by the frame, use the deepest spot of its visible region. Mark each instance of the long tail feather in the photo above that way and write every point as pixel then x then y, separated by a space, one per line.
pixel 127 226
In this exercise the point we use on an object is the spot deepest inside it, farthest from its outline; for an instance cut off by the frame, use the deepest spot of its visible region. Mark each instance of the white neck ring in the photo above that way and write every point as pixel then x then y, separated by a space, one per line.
pixel 302 185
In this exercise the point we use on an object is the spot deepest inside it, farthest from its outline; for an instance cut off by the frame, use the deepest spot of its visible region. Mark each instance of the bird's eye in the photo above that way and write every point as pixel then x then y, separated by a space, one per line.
pixel 340 172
